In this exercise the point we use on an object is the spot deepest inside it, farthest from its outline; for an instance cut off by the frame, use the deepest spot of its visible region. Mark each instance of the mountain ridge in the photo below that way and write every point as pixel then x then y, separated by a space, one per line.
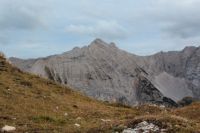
pixel 103 71
pixel 112 44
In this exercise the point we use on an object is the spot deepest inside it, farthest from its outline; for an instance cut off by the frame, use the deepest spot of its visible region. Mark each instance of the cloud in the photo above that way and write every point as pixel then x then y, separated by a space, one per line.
pixel 178 19
pixel 102 29
pixel 19 16
pixel 183 29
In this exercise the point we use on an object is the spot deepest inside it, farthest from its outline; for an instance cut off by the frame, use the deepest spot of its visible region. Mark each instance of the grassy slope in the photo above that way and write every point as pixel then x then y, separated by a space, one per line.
pixel 34 104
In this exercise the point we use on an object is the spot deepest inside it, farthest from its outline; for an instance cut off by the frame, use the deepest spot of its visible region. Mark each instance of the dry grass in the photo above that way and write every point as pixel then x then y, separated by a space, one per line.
pixel 33 104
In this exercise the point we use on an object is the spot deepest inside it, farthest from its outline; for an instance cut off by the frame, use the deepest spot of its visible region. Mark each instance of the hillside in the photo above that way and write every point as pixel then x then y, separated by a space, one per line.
pixel 36 105
pixel 103 71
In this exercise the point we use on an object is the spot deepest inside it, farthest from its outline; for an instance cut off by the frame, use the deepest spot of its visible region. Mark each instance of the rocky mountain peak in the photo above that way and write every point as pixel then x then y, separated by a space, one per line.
pixel 113 45
pixel 104 72
pixel 100 46
pixel 189 50
pixel 98 42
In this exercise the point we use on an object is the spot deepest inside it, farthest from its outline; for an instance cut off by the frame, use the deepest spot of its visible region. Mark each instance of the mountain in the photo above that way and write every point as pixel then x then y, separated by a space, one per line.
pixel 104 72
pixel 29 103
pixel 176 74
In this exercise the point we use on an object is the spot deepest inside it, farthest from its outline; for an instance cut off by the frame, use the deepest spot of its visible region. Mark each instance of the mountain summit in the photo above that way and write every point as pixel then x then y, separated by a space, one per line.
pixel 104 72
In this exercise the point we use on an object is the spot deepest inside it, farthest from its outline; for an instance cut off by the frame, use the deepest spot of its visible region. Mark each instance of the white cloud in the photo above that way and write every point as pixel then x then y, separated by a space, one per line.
pixel 177 18
pixel 102 29
pixel 19 15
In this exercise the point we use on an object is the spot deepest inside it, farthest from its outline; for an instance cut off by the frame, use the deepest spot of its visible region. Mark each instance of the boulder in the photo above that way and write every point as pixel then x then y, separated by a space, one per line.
pixel 7 129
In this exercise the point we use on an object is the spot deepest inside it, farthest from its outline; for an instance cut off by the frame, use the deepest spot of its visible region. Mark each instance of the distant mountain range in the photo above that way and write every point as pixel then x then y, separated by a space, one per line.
pixel 104 72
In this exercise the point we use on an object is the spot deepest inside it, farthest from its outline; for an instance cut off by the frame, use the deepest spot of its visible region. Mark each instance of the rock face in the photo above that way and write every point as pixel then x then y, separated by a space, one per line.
pixel 144 127
pixel 104 72
pixel 146 91
pixel 176 74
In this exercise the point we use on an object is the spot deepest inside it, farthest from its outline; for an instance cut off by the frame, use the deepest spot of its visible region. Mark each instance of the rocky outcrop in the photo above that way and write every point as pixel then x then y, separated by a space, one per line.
pixel 144 127
pixel 146 92
pixel 104 72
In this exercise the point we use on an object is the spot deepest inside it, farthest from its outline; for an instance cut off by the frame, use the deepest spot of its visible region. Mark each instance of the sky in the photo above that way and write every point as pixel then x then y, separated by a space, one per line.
pixel 38 28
